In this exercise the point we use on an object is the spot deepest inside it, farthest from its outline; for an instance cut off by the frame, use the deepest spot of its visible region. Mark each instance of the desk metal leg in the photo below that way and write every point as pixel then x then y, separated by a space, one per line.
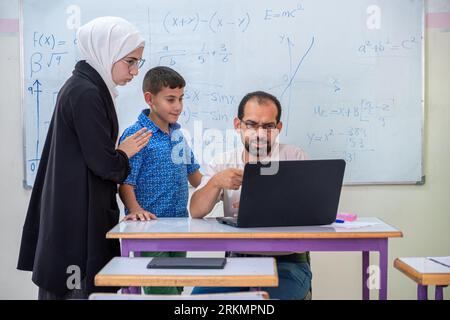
pixel 365 275
pixel 383 269
pixel 422 292
pixel 125 252
pixel 439 294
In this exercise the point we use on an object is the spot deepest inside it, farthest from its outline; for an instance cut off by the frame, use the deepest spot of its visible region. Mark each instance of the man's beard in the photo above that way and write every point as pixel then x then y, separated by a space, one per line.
pixel 258 152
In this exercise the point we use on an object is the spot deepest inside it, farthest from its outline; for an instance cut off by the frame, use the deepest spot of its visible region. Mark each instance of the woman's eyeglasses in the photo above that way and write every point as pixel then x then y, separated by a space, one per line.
pixel 133 62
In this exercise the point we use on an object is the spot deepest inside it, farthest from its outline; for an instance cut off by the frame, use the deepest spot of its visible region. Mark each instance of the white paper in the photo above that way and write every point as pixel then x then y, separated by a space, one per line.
pixel 445 261
pixel 353 224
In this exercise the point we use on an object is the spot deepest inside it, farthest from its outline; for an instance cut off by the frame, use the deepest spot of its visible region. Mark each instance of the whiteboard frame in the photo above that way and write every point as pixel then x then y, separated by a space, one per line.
pixel 22 95
pixel 368 183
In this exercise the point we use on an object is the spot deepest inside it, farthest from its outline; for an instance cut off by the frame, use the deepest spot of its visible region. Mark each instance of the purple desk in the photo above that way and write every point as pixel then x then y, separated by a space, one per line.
pixel 185 234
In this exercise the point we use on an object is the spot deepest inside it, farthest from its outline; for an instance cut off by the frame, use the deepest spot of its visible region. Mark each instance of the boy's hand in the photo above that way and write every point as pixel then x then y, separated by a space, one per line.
pixel 134 143
pixel 229 179
pixel 141 215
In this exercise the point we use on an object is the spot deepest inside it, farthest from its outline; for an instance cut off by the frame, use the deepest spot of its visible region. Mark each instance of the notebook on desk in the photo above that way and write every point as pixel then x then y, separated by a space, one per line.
pixel 301 193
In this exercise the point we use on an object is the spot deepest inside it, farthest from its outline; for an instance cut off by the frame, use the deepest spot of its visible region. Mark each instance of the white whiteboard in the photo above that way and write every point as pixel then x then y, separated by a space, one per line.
pixel 349 74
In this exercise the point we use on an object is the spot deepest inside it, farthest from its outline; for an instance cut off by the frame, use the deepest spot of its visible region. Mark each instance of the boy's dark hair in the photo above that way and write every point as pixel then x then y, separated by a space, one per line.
pixel 162 77
pixel 261 97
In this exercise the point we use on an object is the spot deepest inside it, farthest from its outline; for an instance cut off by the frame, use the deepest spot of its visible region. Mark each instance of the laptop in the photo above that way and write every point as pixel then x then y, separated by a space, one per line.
pixel 301 193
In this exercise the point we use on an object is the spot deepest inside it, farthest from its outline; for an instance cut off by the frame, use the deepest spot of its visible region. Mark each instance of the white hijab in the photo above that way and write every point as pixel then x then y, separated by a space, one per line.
pixel 104 41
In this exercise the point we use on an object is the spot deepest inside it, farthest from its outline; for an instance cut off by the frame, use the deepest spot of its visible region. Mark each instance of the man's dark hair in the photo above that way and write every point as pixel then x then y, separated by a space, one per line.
pixel 261 97
pixel 162 77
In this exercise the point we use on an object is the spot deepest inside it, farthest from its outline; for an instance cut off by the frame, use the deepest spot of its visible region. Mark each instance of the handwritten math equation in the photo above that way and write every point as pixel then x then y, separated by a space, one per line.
pixel 203 104
pixel 217 21
pixel 364 111
pixel 206 53
pixel 48 51
pixel 389 47
pixel 355 137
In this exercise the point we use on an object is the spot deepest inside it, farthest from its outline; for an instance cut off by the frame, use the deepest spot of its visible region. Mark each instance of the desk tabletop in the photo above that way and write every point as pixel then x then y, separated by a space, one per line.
pixel 246 295
pixel 423 271
pixel 209 228
pixel 247 272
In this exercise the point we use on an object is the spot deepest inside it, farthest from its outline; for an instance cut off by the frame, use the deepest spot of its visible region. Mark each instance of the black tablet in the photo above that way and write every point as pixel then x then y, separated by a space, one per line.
pixel 186 263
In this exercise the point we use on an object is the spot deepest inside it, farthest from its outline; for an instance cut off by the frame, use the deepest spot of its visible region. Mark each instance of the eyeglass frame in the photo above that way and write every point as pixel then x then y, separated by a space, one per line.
pixel 138 63
pixel 256 126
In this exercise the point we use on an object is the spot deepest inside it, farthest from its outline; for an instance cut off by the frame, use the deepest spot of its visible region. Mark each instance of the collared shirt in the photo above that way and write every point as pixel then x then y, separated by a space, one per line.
pixel 159 172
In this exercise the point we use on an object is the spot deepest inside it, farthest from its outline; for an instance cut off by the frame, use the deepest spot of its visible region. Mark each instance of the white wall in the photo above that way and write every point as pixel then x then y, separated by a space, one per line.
pixel 13 197
pixel 421 212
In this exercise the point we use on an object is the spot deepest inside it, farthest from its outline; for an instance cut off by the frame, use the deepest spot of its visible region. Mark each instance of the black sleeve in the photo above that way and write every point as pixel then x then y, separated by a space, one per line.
pixel 93 129
pixel 124 155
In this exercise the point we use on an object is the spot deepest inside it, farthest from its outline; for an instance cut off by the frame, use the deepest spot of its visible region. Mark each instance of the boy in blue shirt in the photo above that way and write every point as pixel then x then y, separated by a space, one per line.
pixel 157 184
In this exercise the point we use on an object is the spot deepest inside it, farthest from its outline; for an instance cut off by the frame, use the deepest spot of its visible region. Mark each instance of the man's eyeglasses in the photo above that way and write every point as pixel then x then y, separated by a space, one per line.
pixel 255 126
pixel 138 63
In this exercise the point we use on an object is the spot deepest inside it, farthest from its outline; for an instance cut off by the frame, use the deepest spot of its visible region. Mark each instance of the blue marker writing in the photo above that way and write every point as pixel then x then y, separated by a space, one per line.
pixel 339 221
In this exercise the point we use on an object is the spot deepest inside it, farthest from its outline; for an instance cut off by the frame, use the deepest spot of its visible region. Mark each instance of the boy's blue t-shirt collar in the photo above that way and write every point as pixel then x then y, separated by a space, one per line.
pixel 145 121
